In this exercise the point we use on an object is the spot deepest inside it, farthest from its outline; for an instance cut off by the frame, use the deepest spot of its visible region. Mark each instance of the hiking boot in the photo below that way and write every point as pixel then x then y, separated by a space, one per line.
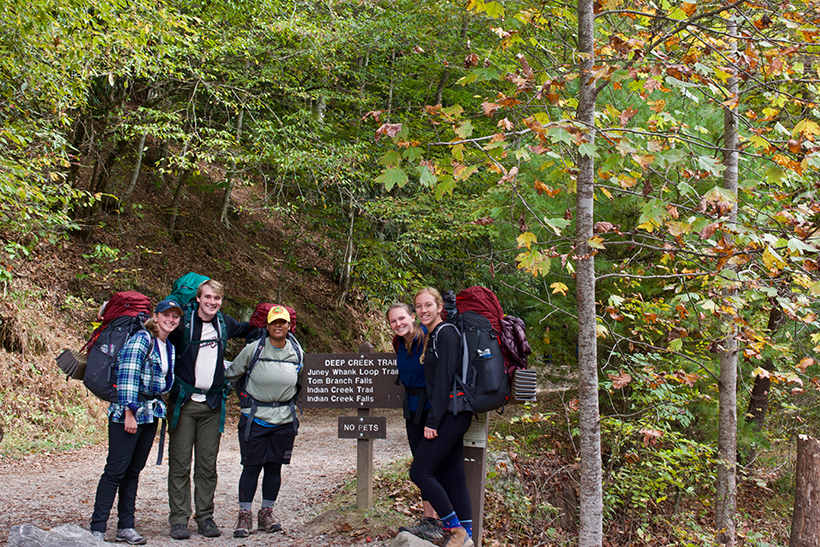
pixel 208 528
pixel 457 537
pixel 266 522
pixel 180 531
pixel 99 535
pixel 130 535
pixel 426 528
pixel 244 524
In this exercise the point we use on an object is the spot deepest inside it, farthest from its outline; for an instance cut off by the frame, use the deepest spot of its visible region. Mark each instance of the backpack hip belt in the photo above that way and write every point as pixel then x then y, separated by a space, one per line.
pixel 291 403
pixel 419 392
pixel 186 389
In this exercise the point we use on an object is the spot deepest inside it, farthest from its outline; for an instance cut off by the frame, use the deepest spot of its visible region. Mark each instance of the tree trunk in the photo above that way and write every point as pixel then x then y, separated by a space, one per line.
pixel 442 82
pixel 726 503
pixel 136 174
pixel 347 267
pixel 759 399
pixel 806 516
pixel 590 529
pixel 104 174
pixel 226 199
pixel 319 108
pixel 77 147
pixel 172 222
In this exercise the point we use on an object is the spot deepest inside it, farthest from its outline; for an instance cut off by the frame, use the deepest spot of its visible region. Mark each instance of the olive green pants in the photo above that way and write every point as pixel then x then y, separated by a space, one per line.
pixel 197 431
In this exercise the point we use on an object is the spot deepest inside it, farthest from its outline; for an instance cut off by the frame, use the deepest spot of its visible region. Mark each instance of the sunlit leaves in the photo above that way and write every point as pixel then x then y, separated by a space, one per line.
pixel 653 213
pixel 492 9
pixel 807 128
pixel 534 261
pixel 464 129
pixel 526 240
pixel 559 288
pixel 557 224
pixel 772 260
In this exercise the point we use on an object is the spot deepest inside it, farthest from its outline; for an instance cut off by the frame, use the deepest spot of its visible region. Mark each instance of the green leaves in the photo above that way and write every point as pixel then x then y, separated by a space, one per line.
pixel 392 176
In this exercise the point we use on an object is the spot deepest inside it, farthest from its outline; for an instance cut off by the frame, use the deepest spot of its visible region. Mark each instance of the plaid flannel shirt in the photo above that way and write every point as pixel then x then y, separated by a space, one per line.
pixel 137 376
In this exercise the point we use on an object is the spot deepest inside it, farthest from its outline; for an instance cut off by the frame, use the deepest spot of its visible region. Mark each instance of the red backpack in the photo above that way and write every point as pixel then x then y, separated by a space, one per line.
pixel 130 303
pixel 259 321
pixel 510 330
pixel 121 317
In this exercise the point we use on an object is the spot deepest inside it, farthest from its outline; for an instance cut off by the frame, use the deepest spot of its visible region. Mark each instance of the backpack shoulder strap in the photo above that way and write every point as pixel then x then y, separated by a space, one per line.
pixel 257 351
pixel 188 328
pixel 300 353
pixel 434 337
pixel 223 330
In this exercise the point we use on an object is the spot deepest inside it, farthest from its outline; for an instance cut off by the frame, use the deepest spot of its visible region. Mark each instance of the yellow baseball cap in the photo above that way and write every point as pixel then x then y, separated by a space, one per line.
pixel 278 312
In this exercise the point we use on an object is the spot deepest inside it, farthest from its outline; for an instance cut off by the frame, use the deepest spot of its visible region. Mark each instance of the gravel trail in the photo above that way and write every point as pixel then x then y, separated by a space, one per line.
pixel 54 489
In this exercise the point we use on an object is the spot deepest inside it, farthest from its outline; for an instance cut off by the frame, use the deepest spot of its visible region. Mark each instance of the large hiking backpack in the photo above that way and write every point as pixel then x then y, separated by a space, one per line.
pixel 122 317
pixel 185 287
pixel 246 400
pixel 483 383
pixel 259 321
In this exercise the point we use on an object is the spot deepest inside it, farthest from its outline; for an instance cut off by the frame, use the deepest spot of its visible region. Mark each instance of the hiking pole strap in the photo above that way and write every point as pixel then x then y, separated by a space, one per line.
pixel 420 406
pixel 161 441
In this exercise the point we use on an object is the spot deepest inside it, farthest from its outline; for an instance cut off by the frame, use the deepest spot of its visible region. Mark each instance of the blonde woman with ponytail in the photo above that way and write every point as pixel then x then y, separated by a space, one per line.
pixel 438 464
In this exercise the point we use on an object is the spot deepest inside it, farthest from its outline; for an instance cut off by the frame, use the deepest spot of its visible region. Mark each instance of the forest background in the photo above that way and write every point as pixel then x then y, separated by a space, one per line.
pixel 636 180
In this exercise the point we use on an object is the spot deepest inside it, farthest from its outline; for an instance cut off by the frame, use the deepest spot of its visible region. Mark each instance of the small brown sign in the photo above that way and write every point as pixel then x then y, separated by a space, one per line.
pixel 359 380
pixel 361 427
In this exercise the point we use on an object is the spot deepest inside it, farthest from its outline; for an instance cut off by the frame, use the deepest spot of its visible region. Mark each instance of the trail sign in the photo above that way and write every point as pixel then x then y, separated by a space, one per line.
pixel 362 427
pixel 354 380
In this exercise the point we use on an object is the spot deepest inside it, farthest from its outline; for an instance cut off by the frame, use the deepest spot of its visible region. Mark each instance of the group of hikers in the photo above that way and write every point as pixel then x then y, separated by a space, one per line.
pixel 175 370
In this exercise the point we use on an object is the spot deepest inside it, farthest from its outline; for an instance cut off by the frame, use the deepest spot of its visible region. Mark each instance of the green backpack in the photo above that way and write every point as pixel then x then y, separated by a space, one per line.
pixel 184 292
pixel 185 288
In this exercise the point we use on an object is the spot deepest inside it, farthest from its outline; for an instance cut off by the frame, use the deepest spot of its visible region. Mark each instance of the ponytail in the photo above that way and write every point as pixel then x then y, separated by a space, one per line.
pixel 152 327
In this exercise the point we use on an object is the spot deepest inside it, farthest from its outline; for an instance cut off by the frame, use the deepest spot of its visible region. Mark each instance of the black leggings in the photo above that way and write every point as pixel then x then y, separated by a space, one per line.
pixel 270 482
pixel 438 468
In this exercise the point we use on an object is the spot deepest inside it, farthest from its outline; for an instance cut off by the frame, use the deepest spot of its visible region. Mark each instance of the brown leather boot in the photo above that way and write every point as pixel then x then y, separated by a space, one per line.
pixel 244 524
pixel 266 522
pixel 457 537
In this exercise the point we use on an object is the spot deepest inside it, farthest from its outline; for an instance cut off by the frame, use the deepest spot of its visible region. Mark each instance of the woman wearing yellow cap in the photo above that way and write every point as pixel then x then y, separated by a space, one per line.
pixel 266 375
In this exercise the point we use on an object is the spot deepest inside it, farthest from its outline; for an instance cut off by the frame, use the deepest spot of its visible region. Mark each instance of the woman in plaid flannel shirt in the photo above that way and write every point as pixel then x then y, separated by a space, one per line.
pixel 145 370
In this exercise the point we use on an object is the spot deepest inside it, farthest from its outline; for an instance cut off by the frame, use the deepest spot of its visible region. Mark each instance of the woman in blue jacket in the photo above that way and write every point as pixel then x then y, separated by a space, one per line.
pixel 145 370
pixel 408 343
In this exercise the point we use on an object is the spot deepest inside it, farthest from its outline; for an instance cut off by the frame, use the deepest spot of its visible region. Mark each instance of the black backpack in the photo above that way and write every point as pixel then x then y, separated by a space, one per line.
pixel 100 375
pixel 483 384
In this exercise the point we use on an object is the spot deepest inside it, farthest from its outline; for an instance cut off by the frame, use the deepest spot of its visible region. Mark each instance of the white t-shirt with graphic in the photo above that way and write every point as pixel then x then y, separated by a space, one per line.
pixel 206 360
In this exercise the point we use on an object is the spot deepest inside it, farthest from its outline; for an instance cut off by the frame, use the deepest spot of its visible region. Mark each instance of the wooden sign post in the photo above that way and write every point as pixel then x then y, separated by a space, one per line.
pixel 362 381
pixel 369 380
pixel 475 469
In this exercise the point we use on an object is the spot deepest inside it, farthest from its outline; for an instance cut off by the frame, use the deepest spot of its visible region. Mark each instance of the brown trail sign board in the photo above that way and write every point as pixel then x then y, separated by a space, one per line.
pixel 353 380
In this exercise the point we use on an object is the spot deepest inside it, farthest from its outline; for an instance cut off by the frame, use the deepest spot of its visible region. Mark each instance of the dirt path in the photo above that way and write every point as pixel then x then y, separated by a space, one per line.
pixel 55 489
